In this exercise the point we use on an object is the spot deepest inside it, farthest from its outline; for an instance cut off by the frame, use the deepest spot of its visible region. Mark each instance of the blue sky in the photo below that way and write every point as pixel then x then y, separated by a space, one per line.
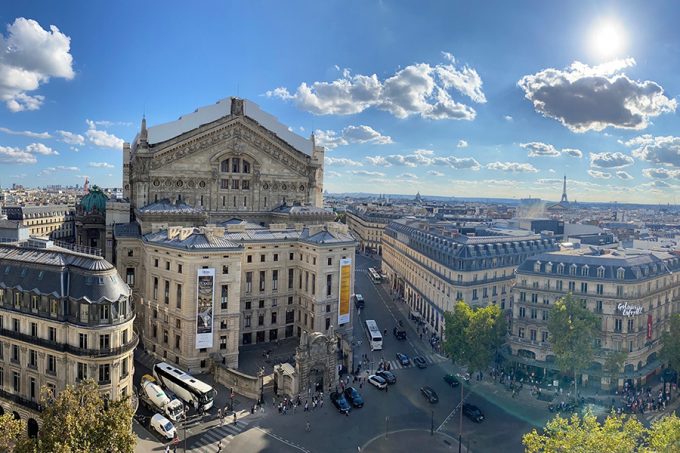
pixel 445 98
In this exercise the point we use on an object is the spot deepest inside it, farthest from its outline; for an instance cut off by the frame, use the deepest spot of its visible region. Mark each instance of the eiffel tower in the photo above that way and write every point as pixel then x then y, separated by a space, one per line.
pixel 564 191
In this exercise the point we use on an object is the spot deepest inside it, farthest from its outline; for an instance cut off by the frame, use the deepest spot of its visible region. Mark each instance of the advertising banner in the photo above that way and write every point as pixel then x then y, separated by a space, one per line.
pixel 205 292
pixel 345 290
pixel 650 322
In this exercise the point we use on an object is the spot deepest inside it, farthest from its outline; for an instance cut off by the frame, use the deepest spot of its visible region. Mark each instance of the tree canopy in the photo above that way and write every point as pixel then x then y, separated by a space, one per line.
pixel 670 349
pixel 617 434
pixel 12 432
pixel 572 328
pixel 474 335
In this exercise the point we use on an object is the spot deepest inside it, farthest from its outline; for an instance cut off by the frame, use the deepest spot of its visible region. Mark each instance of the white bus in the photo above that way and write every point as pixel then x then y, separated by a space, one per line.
pixel 186 387
pixel 374 336
pixel 375 276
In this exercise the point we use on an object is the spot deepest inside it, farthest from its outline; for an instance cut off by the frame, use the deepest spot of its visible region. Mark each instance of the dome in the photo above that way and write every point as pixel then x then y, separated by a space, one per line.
pixel 95 200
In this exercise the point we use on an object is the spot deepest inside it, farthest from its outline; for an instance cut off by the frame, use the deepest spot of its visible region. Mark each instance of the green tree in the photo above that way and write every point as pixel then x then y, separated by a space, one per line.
pixel 613 363
pixel 670 340
pixel 474 335
pixel 617 434
pixel 79 420
pixel 12 432
pixel 572 329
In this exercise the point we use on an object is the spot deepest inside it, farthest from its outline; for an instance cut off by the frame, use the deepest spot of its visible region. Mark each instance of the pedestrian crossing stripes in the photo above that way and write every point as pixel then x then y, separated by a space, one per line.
pixel 209 439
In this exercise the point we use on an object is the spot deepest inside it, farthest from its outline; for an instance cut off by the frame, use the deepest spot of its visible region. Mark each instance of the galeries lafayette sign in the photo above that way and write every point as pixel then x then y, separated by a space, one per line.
pixel 630 310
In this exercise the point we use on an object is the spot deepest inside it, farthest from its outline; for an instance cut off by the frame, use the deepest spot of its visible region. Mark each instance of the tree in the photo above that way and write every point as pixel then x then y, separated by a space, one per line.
pixel 79 420
pixel 572 329
pixel 613 363
pixel 617 434
pixel 12 432
pixel 474 335
pixel 670 340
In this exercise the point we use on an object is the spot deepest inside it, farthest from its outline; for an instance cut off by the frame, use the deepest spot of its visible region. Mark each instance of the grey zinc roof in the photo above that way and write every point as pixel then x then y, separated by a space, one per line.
pixel 126 230
pixel 166 206
pixel 196 240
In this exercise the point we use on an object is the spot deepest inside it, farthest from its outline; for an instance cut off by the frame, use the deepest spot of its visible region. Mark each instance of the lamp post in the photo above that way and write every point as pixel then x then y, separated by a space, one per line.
pixel 460 425
pixel 432 423
pixel 261 386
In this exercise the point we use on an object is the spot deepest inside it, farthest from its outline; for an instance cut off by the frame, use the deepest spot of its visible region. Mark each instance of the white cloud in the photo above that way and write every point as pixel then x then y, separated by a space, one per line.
pixel 599 174
pixel 332 174
pixel 29 57
pixel 661 173
pixel 550 170
pixel 351 134
pixel 408 176
pixel 42 135
pixel 71 138
pixel 341 161
pixel 663 150
pixel 9 155
pixel 423 157
pixel 538 149
pixel 101 165
pixel 573 152
pixel 417 89
pixel 515 167
pixel 107 123
pixel 508 118
pixel 462 144
pixel 621 174
pixel 610 160
pixel 435 173
pixel 368 173
pixel 39 148
pixel 58 168
pixel 584 98
pixel 102 138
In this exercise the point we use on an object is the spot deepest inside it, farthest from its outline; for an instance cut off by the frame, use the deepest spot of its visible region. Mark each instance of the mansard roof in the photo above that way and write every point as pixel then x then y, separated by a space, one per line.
pixel 166 206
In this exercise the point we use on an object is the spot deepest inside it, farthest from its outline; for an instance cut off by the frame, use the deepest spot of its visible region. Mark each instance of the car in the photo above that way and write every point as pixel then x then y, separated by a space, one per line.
pixel 359 301
pixel 451 380
pixel 403 359
pixel 420 362
pixel 400 334
pixel 354 397
pixel 473 413
pixel 389 377
pixel 376 380
pixel 163 426
pixel 429 394
pixel 339 401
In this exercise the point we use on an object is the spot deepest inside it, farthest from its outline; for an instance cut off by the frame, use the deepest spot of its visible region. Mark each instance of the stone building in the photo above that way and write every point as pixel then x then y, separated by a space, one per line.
pixel 433 264
pixel 228 198
pixel 633 292
pixel 64 317
pixel 368 228
pixel 53 221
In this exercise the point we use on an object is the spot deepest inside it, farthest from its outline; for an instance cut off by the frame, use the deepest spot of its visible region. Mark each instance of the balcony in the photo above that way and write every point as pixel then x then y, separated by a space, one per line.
pixel 61 347
pixel 18 399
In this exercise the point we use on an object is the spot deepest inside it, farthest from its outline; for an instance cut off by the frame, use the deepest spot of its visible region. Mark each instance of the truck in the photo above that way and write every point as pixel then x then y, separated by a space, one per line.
pixel 152 396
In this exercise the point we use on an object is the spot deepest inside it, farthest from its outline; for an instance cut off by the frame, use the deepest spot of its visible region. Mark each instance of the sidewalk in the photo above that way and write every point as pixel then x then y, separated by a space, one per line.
pixel 412 440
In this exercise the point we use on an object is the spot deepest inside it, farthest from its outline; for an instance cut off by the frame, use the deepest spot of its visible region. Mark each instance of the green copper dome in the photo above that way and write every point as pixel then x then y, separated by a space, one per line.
pixel 95 200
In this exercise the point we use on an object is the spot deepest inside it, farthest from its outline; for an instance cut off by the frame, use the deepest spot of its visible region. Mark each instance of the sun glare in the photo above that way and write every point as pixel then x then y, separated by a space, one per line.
pixel 607 39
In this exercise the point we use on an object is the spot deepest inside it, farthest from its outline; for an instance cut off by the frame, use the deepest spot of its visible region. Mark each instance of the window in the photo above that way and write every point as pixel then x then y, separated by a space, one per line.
pixel 522 312
pixel 246 166
pixel 224 184
pixel 105 341
pixel 130 276
pixel 584 287
pixel 630 326
pixel 260 320
pixel 544 315
pixel 534 313
pixel 32 359
pixel 275 280
pixel 329 284
pixel 34 303
pixel 520 332
pixel 249 282
pixel 52 334
pixel 262 280
pixel 235 165
pixel 82 340
pixel 34 329
pixel 82 371
pixel 167 265
pixel 313 284
pixel 291 256
pixel 600 272
pixel 223 324
pixel 223 342
pixel 474 294
pixel 155 262
pixel 179 268
pixel 166 292
pixel 16 382
pixel 165 336
pixel 274 314
pixel 532 334
pixel 558 285
pixel 619 290
pixel 225 297
pixel 248 305
pixel 618 325
pixel 598 306
pixel 178 342
pixel 599 289
pixel 620 273
pixel 328 323
pixel 155 288
pixel 572 287
pixel 178 295
pixel 261 303
pixel 123 368
pixel 224 166
pixel 249 258
pixel 15 353
pixel 51 364
pixel 225 270
pixel 276 256
pixel 104 312
pixel 290 278
pixel 328 308
pixel 290 317
pixel 105 374
pixel 330 261
pixel 544 336
pixel 16 325
pixel 534 298
pixel 246 321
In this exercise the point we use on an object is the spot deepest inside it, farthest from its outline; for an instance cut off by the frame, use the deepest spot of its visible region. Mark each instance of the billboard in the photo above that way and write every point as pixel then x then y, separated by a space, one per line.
pixel 345 290
pixel 205 295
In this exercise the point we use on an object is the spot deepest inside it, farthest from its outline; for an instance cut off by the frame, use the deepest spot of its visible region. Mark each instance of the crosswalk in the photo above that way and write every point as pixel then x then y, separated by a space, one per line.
pixel 209 439
pixel 430 359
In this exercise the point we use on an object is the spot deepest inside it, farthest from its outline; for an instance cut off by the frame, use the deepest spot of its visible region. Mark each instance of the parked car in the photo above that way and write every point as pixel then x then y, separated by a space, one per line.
pixel 400 334
pixel 354 397
pixel 339 401
pixel 389 377
pixel 451 380
pixel 429 394
pixel 163 426
pixel 420 362
pixel 403 359
pixel 473 413
pixel 377 381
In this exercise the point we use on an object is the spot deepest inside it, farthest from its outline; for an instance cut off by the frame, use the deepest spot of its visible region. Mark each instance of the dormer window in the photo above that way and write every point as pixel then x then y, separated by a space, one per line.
pixel 560 268
pixel 537 266
pixel 620 273
pixel 548 267
pixel 600 272
pixel 572 269
pixel 584 271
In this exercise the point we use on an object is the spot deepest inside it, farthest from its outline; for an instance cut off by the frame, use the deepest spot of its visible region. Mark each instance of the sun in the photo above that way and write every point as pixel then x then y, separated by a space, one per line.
pixel 607 39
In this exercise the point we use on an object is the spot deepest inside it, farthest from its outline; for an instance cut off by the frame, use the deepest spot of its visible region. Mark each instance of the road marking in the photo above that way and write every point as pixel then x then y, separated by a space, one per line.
pixel 453 412
pixel 279 438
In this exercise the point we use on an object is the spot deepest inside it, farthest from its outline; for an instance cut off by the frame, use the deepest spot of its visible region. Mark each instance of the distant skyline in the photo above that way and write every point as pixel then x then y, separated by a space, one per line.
pixel 448 98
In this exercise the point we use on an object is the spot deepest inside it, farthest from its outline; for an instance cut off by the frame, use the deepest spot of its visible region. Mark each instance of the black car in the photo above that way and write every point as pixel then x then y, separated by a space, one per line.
pixel 400 334
pixel 339 401
pixel 420 362
pixel 451 380
pixel 354 397
pixel 473 413
pixel 403 359
pixel 429 394
pixel 389 377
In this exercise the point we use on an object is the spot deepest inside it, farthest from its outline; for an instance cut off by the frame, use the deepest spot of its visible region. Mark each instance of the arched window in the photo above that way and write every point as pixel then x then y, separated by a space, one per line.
pixel 246 166
pixel 224 167
pixel 235 165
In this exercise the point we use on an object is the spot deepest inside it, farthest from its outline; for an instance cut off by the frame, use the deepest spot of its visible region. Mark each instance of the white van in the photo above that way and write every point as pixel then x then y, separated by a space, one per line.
pixel 163 426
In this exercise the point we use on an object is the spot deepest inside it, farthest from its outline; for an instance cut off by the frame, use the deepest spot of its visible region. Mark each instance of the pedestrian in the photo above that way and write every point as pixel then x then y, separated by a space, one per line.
pixel 320 404
pixel 306 406
pixel 308 428
pixel 262 408
pixel 222 419
pixel 167 449
pixel 219 446
pixel 219 413
pixel 235 418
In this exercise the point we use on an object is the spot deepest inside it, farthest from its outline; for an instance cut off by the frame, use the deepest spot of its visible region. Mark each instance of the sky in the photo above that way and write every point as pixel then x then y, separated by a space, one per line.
pixel 463 99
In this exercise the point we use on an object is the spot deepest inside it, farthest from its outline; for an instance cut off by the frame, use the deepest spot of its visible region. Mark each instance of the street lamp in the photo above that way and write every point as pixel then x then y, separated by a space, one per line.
pixel 261 387
pixel 460 426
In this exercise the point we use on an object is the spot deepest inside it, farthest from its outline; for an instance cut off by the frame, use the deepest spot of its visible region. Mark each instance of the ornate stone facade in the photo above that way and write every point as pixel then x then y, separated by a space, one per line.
pixel 316 362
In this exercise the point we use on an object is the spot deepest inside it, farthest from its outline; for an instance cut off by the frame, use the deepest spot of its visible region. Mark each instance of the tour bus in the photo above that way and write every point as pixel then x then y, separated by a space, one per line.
pixel 375 276
pixel 189 389
pixel 374 336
